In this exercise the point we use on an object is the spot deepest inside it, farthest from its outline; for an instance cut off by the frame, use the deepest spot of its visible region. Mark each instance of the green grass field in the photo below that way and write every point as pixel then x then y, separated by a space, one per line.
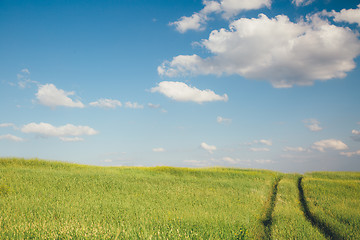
pixel 54 200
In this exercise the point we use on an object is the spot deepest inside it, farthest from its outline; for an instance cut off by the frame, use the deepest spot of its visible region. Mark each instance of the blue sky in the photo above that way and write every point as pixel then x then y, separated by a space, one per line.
pixel 253 84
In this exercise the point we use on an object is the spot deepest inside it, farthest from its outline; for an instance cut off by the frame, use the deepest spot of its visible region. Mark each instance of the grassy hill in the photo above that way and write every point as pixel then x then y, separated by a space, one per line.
pixel 55 200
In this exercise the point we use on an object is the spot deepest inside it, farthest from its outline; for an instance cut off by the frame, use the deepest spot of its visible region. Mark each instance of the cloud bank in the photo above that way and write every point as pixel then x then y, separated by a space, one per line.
pixel 277 50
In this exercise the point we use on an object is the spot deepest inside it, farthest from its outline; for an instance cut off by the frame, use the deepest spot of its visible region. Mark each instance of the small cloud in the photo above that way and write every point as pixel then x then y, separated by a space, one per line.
pixel 313 125
pixel 264 141
pixel 25 70
pixel 51 96
pixel 66 133
pixel 71 139
pixel 24 78
pixel 108 160
pixel 223 120
pixel 3 125
pixel 11 138
pixel 134 105
pixel 299 3
pixel 345 15
pixel 154 106
pixel 350 154
pixel 158 149
pixel 355 132
pixel 329 144
pixel 209 148
pixel 295 149
pixel 259 149
pixel 181 92
pixel 106 103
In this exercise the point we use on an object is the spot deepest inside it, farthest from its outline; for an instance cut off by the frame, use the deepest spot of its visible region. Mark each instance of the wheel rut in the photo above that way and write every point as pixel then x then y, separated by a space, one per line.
pixel 324 228
pixel 268 219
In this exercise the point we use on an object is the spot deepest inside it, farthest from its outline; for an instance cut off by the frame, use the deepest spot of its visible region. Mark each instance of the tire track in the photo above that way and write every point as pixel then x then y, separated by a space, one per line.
pixel 267 220
pixel 324 228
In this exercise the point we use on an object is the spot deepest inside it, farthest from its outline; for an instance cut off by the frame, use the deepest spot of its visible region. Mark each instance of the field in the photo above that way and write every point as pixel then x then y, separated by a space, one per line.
pixel 55 200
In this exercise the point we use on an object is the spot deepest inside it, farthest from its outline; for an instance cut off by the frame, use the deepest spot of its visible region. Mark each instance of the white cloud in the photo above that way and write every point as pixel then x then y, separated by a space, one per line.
pixel 299 3
pixel 356 132
pixel 228 8
pixel 71 139
pixel 345 15
pixel 154 106
pixel 133 105
pixel 24 78
pixel 259 149
pixel 25 70
pixel 179 91
pixel 329 144
pixel 313 125
pixel 11 138
pixel 7 125
pixel 209 148
pixel 106 103
pixel 277 50
pixel 223 120
pixel 295 149
pixel 50 96
pixel 264 141
pixel 160 149
pixel 350 154
pixel 65 133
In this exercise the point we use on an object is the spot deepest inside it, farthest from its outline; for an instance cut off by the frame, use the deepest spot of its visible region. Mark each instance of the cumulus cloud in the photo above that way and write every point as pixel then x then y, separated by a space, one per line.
pixel 106 103
pixel 277 50
pixel 329 144
pixel 313 125
pixel 209 148
pixel 299 3
pixel 263 161
pixel 160 149
pixel 134 105
pixel 223 120
pixel 228 8
pixel 179 91
pixel 345 15
pixel 50 96
pixel 65 133
pixel 350 154
pixel 259 149
pixel 11 138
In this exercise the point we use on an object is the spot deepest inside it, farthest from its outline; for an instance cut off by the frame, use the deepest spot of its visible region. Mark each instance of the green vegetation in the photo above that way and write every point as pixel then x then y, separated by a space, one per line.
pixel 289 221
pixel 333 199
pixel 55 200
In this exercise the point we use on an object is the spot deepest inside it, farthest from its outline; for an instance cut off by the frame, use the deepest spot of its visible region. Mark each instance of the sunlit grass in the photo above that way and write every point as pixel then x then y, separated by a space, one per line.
pixel 334 198
pixel 48 200
pixel 289 221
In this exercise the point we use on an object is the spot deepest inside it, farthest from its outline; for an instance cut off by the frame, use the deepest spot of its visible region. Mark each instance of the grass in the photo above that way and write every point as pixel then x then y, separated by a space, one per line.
pixel 56 200
pixel 289 221
pixel 334 200
pixel 59 200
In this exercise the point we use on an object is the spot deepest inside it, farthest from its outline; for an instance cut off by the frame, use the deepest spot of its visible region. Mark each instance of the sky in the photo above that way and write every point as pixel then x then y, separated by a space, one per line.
pixel 234 83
